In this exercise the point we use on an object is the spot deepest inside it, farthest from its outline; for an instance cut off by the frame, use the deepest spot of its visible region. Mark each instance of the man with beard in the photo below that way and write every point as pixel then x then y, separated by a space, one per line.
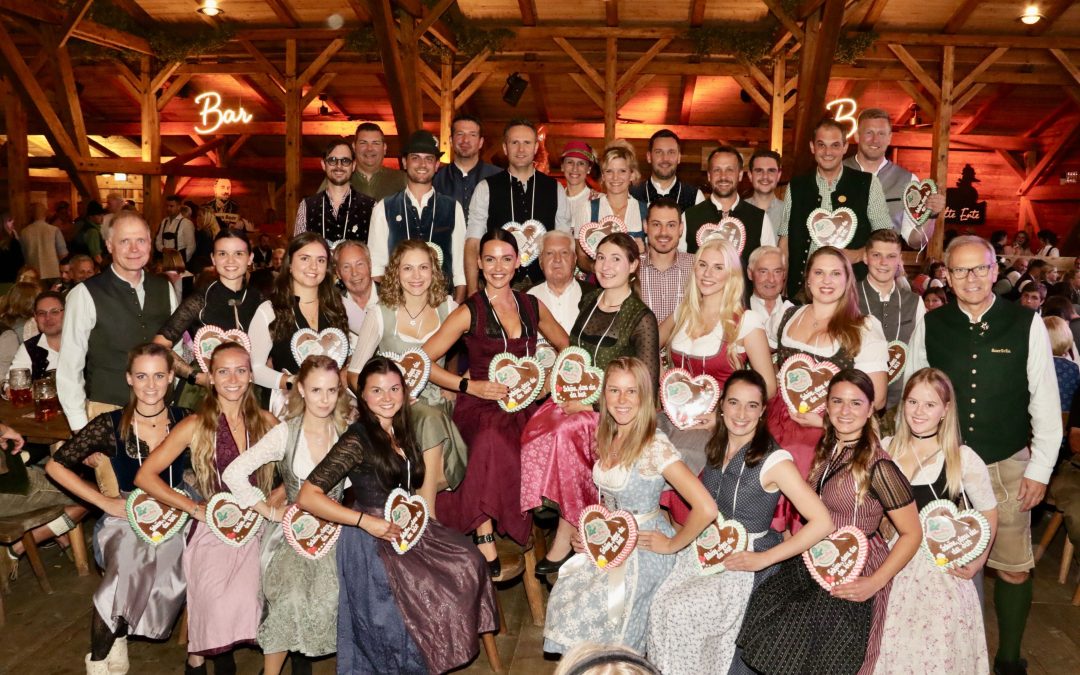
pixel 460 178
pixel 875 133
pixel 664 269
pixel 764 167
pixel 420 212
pixel 225 210
pixel 519 194
pixel 768 272
pixel 664 156
pixel 337 212
pixel 725 169
pixel 830 187
pixel 369 176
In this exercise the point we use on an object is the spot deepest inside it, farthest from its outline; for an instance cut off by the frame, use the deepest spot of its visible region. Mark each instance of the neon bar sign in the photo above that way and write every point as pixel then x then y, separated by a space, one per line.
pixel 844 113
pixel 213 116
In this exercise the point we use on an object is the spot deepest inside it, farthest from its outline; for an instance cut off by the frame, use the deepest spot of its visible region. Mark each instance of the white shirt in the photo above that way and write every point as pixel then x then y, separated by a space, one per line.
pixel 379 235
pixel 709 345
pixel 768 234
pixel 1044 405
pixel 371 335
pixel 481 201
pixel 666 191
pixel 632 219
pixel 261 344
pixel 80 317
pixel 185 235
pixel 772 319
pixel 907 223
pixel 564 306
pixel 866 287
pixel 975 477
pixel 22 357
pixel 873 356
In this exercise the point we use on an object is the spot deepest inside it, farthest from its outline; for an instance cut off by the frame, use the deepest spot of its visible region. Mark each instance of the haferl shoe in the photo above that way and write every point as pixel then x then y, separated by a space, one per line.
pixel 1010 668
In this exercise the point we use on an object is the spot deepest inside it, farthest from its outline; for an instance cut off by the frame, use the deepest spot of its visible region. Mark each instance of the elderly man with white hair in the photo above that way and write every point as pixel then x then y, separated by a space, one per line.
pixel 767 270
pixel 560 292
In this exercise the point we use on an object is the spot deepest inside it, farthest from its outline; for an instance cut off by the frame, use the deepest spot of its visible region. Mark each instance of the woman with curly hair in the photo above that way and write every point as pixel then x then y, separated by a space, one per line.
pixel 413 303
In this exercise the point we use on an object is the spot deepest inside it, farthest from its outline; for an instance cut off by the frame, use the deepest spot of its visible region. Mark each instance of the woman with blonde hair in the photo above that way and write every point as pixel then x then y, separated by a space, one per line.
pixel 301 594
pixel 830 328
pixel 618 171
pixel 934 620
pixel 1064 350
pixel 223 596
pixel 413 303
pixel 711 333
pixel 635 463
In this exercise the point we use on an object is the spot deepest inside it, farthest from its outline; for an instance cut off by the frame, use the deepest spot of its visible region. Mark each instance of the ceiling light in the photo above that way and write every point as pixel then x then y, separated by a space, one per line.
pixel 1031 15
pixel 210 8
pixel 120 177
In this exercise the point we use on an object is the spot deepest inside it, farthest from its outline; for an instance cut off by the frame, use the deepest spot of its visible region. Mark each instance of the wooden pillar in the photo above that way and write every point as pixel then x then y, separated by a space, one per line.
pixel 150 142
pixel 293 138
pixel 939 148
pixel 410 58
pixel 611 109
pixel 18 165
pixel 816 59
pixel 446 107
pixel 776 110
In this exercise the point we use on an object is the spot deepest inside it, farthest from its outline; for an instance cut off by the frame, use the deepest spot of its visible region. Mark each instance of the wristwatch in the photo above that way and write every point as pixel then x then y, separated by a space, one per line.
pixel 463 385
pixel 190 379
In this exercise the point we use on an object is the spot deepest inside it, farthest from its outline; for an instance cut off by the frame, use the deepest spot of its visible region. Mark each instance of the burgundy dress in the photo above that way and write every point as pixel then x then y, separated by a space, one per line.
pixel 492 484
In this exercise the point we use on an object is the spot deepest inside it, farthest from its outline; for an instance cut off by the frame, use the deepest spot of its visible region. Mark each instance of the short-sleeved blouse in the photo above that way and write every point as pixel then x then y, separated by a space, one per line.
pixel 873 355
pixel 710 343
pixel 974 474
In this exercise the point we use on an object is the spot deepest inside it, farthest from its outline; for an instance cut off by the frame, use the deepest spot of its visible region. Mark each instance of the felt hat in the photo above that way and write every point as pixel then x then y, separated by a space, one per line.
pixel 423 143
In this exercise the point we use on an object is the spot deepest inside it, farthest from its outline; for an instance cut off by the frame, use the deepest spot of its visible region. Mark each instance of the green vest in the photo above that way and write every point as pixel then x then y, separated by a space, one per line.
pixel 121 325
pixel 706 212
pixel 987 363
pixel 852 190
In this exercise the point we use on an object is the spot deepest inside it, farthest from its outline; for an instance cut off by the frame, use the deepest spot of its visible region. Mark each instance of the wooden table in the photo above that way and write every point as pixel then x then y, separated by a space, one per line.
pixel 22 420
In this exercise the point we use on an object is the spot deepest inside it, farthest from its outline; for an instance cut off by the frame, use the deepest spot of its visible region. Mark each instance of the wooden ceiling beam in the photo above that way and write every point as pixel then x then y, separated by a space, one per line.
pixel 970 124
pixel 611 12
pixel 1044 124
pixel 697 12
pixel 1050 159
pixel 417 10
pixel 360 11
pixel 815 66
pixel 86 30
pixel 686 102
pixel 581 61
pixel 317 88
pixel 1051 12
pixel 528 12
pixel 433 15
pixel 74 16
pixel 1011 41
pixel 284 12
pixel 917 71
pixel 785 19
pixel 539 92
pixel 979 70
pixel 407 114
pixel 1013 163
pixel 752 91
pixel 320 61
pixel 174 88
pixel 960 16
pixel 927 105
pixel 199 150
pixel 268 68
pixel 100 147
pixel 633 90
pixel 873 15
pixel 642 61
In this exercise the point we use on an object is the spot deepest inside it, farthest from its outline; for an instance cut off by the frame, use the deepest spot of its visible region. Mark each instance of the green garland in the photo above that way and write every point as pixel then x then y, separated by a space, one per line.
pixel 852 46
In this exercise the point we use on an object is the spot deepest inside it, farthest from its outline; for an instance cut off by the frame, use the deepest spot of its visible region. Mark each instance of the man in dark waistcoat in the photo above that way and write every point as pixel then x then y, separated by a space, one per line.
pixel 830 187
pixel 898 309
pixel 874 135
pixel 41 353
pixel 420 212
pixel 519 194
pixel 997 355
pixel 339 211
pixel 460 177
pixel 104 318
pixel 664 155
pixel 725 169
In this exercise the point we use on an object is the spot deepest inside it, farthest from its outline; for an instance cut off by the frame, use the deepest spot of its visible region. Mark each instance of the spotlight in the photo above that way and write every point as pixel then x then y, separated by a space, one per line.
pixel 515 89
pixel 120 177
pixel 210 8
pixel 1031 15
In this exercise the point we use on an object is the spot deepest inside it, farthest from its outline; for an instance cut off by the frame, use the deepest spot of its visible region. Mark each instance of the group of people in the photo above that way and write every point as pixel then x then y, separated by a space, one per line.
pixel 482 274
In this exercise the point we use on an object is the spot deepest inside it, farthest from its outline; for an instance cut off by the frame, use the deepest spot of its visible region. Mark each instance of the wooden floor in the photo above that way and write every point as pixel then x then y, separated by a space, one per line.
pixel 50 634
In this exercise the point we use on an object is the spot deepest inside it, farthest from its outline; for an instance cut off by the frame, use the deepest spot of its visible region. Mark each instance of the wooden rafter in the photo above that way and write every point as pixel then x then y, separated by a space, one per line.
pixel 74 16
pixel 284 12
pixel 697 12
pixel 1050 159
pixel 611 12
pixel 320 61
pixel 642 61
pixel 404 103
pixel 86 30
pixel 815 66
pixel 170 92
pixel 1013 163
pixel 433 15
pixel 581 61
pixel 960 16
pixel 873 14
pixel 686 105
pixel 981 68
pixel 785 19
pixel 199 150
pixel 528 12
pixel 1044 124
pixel 916 70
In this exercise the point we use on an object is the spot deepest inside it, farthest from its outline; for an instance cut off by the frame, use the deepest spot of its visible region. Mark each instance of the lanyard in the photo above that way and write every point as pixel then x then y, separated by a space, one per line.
pixel 524 188
pixel 899 304
pixel 232 303
pixel 296 446
pixel 931 484
pixel 524 328
pixel 346 204
pixel 734 497
pixel 611 323
pixel 420 215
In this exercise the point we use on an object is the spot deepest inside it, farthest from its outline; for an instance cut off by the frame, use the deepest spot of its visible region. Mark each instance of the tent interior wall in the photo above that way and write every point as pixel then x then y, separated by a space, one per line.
pixel 965 82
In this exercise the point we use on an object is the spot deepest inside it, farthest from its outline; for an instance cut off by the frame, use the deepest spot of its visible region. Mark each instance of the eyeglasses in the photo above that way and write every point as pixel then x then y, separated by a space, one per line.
pixel 962 272
pixel 51 312
pixel 338 161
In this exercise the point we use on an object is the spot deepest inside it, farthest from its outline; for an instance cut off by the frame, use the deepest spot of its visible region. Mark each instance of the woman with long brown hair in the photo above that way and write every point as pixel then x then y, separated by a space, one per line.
pixel 303 297
pixel 223 597
pixel 792 624
pixel 301 594
pixel 143 588
pixel 935 620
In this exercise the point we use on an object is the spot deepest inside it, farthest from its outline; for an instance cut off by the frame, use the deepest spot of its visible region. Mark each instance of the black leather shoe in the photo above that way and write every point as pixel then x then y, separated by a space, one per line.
pixel 546 566
pixel 1010 667
pixel 194 670
pixel 494 566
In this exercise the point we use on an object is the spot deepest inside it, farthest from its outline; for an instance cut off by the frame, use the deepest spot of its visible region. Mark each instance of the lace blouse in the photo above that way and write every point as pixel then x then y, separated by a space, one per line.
pixel 271 448
pixel 212 306
pixel 629 331
pixel 347 459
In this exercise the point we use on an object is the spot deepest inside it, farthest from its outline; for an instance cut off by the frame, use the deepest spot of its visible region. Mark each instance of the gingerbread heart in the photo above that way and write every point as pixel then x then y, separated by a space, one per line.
pixel 716 542
pixel 575 379
pixel 590 235
pixel 327 342
pixel 546 355
pixel 523 376
pixel 528 235
pixel 731 230
pixel 229 522
pixel 310 536
pixel 415 366
pixel 208 338
pixel 804 382
pixel 897 360
pixel 687 397
pixel 153 521
pixel 832 228
pixel 838 558
pixel 953 537
pixel 915 196
pixel 609 536
pixel 410 513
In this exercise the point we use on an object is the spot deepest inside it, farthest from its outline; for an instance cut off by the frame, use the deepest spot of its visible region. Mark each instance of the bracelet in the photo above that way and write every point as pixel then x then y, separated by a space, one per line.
pixel 359 519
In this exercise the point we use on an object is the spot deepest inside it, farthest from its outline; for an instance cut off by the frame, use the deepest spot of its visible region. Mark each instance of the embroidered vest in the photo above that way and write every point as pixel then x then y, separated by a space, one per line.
pixel 403 222
pixel 894 180
pixel 39 358
pixel 351 222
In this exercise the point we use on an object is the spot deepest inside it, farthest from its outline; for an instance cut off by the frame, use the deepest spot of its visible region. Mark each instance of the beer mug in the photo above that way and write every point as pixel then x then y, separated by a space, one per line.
pixel 19 387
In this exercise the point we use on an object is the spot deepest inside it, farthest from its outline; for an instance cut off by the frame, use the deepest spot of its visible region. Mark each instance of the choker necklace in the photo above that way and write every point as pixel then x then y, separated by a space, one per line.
pixel 149 416
pixel 923 438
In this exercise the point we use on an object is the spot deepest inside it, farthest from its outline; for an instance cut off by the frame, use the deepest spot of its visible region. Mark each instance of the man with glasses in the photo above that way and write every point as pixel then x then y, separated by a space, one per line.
pixel 338 211
pixel 420 212
pixel 998 357
pixel 369 176
pixel 42 353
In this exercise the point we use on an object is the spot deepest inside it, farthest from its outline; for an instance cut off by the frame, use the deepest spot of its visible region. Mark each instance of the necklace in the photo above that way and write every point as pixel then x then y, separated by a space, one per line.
pixel 152 415
pixel 414 317
pixel 923 438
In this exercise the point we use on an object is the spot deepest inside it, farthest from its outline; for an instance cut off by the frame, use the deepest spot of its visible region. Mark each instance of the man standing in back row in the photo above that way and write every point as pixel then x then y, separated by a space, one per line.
pixel 338 211
pixel 369 176
pixel 459 178
pixel 664 155
pixel 874 135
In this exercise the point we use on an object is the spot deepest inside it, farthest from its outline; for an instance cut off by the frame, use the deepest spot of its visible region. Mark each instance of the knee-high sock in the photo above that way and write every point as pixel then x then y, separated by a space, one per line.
pixel 1012 602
